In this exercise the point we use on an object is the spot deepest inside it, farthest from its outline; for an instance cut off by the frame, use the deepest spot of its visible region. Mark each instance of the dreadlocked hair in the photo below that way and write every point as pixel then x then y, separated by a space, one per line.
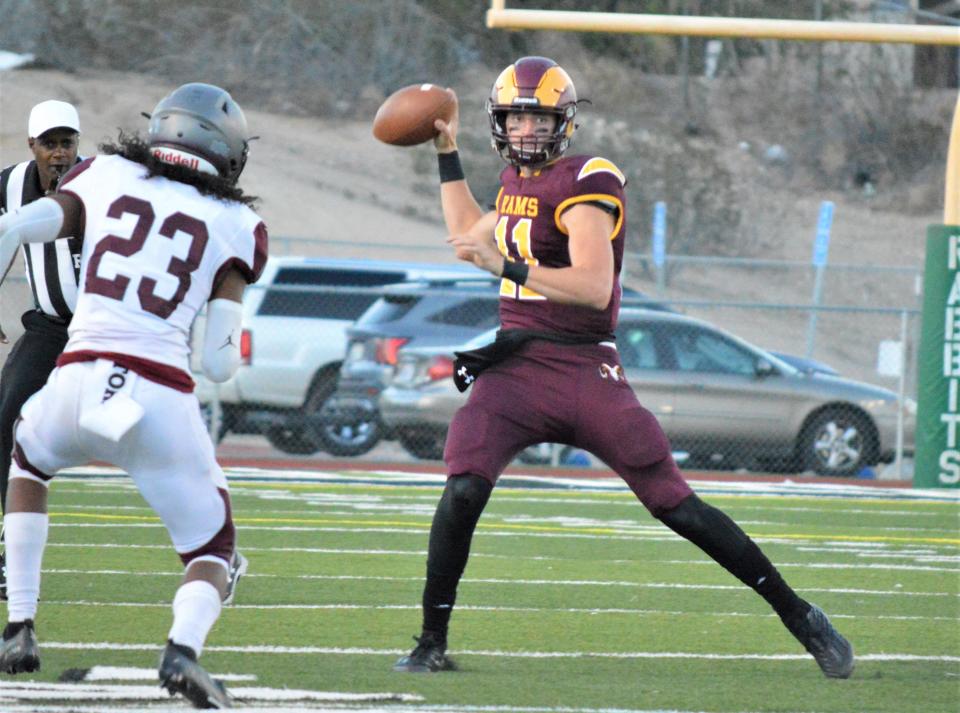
pixel 135 148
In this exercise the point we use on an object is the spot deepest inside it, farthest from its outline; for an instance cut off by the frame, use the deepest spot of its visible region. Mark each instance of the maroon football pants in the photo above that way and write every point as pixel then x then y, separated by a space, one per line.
pixel 571 394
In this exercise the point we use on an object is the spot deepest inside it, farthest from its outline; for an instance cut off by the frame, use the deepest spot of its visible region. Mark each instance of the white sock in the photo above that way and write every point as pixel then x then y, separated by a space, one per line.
pixel 196 607
pixel 26 537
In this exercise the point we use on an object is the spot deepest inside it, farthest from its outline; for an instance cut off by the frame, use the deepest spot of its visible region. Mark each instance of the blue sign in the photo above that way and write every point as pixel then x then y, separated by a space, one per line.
pixel 659 233
pixel 821 245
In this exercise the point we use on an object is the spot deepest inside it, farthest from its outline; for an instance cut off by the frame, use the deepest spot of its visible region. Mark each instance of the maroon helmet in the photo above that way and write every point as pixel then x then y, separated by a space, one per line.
pixel 532 84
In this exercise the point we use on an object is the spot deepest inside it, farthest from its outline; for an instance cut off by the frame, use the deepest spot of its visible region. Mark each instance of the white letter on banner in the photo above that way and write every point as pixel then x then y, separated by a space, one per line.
pixel 949 461
pixel 952 420
pixel 951 359
pixel 952 394
pixel 954 296
pixel 953 248
pixel 951 326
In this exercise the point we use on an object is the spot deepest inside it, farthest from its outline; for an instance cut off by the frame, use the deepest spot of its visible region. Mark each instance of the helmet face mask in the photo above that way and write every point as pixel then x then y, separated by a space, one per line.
pixel 532 85
pixel 202 121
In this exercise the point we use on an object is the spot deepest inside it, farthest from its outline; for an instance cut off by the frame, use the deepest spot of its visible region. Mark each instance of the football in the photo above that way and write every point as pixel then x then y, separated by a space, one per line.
pixel 406 117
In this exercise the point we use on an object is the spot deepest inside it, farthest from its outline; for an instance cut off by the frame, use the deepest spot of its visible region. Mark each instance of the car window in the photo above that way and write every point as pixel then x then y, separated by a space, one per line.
pixel 476 312
pixel 337 276
pixel 314 305
pixel 324 303
pixel 389 308
pixel 637 347
pixel 700 350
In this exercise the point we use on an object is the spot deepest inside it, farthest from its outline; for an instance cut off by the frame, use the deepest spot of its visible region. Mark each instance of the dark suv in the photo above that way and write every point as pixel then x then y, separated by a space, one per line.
pixel 423 313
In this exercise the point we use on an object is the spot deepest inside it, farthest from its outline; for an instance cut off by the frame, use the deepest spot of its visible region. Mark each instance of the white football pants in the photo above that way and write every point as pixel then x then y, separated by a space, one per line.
pixel 166 450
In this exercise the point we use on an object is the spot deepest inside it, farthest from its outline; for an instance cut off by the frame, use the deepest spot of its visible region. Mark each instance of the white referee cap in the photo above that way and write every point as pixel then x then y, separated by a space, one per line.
pixel 52 114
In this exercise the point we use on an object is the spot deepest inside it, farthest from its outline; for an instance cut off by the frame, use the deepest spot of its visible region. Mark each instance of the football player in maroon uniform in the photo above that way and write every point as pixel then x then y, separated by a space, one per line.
pixel 556 237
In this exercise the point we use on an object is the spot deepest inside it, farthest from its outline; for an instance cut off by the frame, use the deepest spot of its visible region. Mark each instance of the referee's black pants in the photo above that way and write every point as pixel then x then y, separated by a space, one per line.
pixel 28 365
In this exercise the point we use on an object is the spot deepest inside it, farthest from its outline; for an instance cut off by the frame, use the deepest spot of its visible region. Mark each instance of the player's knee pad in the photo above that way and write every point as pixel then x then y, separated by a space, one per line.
pixel 466 495
pixel 688 516
pixel 221 545
pixel 697 521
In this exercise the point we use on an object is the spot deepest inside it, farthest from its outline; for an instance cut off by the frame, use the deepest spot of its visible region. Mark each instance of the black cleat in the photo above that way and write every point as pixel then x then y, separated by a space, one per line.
pixel 19 652
pixel 238 568
pixel 180 673
pixel 429 656
pixel 832 652
pixel 3 576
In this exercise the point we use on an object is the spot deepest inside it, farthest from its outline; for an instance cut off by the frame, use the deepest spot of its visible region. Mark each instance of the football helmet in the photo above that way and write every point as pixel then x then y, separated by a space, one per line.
pixel 532 84
pixel 204 122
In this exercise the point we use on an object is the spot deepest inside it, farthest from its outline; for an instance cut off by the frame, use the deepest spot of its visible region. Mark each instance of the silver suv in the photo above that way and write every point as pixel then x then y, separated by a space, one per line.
pixel 294 339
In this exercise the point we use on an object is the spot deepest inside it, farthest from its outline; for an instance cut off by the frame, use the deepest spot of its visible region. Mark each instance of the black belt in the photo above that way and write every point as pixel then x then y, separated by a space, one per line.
pixel 468 365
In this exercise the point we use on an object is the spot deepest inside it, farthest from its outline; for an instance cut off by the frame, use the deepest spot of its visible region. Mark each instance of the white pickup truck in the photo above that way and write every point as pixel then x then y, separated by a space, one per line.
pixel 293 343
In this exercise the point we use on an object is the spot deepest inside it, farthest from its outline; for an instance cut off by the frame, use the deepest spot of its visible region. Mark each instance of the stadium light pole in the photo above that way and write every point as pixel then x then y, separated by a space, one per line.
pixel 937 458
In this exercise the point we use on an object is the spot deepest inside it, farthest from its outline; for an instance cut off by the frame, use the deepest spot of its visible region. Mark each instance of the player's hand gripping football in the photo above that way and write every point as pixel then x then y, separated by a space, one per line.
pixel 446 139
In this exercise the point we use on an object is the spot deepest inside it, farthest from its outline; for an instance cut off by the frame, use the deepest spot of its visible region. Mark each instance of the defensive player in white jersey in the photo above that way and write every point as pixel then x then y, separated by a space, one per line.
pixel 165 231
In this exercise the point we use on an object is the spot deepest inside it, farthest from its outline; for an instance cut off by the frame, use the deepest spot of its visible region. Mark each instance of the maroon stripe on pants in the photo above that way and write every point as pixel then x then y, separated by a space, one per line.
pixel 220 545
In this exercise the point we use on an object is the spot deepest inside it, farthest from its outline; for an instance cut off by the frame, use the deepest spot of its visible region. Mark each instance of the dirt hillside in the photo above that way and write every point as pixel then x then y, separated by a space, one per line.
pixel 334 190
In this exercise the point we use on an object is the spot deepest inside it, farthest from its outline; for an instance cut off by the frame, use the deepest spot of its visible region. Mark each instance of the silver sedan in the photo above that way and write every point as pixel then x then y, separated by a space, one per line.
pixel 722 401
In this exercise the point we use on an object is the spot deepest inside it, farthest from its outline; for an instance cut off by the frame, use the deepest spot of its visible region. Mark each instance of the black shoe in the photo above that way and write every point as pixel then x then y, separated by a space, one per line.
pixel 3 576
pixel 238 568
pixel 180 673
pixel 19 652
pixel 429 656
pixel 832 652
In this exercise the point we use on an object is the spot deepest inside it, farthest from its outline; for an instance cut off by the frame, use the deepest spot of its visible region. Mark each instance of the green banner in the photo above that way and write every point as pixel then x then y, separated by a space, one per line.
pixel 937 462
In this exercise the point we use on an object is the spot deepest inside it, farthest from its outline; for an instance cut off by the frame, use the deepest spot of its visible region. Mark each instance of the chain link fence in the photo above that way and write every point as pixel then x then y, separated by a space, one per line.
pixel 772 386
pixel 739 380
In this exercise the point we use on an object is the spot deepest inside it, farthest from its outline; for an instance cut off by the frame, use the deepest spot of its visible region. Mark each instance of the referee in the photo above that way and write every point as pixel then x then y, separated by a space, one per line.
pixel 53 135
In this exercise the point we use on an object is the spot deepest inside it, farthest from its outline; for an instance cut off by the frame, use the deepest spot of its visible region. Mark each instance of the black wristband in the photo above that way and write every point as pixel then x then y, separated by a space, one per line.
pixel 450 168
pixel 515 271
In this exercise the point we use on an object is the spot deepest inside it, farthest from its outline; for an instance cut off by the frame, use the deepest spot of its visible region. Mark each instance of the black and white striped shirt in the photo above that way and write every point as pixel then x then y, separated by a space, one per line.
pixel 53 269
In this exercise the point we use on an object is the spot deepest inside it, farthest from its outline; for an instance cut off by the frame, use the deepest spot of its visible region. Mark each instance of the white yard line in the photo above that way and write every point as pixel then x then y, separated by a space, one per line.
pixel 525 610
pixel 130 673
pixel 419 529
pixel 353 708
pixel 364 651
pixel 925 557
pixel 317 500
pixel 537 582
pixel 38 690
pixel 112 477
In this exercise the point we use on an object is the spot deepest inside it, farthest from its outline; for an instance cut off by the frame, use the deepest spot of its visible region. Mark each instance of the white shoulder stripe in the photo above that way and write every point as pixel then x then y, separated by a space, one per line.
pixel 601 165
pixel 14 197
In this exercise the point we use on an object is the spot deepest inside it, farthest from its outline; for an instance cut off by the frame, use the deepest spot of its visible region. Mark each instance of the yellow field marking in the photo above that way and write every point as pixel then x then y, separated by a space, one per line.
pixel 106 518
pixel 507 526
pixel 866 538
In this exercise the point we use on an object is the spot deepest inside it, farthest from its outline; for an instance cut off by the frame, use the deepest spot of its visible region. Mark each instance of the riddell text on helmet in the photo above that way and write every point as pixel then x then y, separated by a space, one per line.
pixel 177 158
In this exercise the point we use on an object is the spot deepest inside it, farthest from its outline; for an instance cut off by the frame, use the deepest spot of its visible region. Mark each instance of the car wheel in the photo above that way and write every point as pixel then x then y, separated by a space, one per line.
pixel 425 444
pixel 837 442
pixel 291 439
pixel 341 432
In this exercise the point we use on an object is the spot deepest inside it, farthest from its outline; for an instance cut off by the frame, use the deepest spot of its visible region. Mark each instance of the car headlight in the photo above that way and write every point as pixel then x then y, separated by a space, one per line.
pixel 910 407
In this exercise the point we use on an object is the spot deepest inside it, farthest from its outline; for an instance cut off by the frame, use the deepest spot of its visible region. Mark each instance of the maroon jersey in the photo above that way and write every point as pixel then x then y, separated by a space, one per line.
pixel 528 228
